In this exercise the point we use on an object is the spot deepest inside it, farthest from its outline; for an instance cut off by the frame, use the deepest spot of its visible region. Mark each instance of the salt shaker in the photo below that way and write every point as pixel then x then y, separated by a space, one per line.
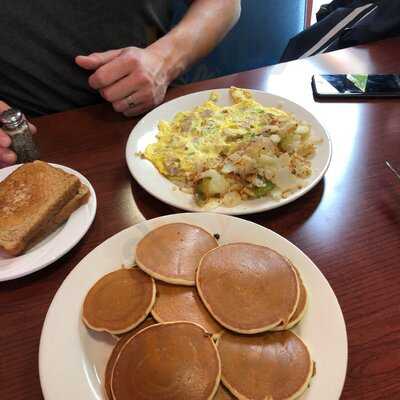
pixel 14 123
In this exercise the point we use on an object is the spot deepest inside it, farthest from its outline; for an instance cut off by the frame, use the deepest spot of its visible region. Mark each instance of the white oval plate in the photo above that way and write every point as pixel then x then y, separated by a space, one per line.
pixel 160 187
pixel 54 246
pixel 72 359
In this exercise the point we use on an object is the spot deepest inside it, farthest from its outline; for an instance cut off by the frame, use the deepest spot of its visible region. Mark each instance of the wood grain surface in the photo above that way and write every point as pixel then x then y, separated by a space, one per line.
pixel 348 224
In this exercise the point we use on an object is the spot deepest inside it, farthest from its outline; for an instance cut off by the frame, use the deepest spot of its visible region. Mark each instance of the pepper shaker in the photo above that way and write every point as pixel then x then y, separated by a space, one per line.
pixel 15 125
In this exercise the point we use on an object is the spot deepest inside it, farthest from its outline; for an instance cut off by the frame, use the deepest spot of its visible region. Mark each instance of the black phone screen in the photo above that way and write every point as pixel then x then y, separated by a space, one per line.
pixel 357 85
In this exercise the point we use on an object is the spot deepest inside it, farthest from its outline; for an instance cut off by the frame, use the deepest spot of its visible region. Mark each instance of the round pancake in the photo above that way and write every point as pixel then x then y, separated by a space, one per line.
pixel 300 309
pixel 182 303
pixel 114 354
pixel 247 288
pixel 222 394
pixel 171 253
pixel 172 361
pixel 119 301
pixel 273 365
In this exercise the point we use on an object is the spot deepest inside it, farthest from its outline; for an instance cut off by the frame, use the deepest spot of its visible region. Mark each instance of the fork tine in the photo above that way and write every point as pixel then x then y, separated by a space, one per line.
pixel 393 169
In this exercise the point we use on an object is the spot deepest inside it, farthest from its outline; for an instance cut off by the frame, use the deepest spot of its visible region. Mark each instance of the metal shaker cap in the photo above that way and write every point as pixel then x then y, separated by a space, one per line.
pixel 12 118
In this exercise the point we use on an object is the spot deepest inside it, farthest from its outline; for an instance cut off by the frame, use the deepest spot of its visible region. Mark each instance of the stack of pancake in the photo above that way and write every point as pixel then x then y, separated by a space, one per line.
pixel 199 321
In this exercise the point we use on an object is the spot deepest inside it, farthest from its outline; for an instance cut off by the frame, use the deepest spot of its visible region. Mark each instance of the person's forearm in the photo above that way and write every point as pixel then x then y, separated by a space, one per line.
pixel 201 29
pixel 135 80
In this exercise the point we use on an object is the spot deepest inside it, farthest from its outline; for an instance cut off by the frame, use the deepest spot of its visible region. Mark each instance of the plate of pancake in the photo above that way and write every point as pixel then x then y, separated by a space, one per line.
pixel 194 306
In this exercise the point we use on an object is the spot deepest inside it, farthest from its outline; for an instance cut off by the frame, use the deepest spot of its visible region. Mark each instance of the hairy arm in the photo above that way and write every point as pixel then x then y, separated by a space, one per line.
pixel 135 80
pixel 201 29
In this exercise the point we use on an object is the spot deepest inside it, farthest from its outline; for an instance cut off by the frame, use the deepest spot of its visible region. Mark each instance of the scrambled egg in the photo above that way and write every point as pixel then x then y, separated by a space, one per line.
pixel 231 153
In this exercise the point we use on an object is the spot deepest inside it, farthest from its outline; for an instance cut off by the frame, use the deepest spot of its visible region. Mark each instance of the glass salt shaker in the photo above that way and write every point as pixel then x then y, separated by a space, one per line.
pixel 15 125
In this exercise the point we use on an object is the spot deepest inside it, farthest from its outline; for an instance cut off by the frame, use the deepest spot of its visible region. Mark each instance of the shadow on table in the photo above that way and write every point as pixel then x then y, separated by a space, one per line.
pixel 389 200
pixel 149 205
pixel 46 281
pixel 289 218
pixel 284 220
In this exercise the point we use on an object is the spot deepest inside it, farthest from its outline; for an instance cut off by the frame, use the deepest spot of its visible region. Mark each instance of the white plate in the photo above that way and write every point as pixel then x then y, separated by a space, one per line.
pixel 72 359
pixel 54 246
pixel 160 187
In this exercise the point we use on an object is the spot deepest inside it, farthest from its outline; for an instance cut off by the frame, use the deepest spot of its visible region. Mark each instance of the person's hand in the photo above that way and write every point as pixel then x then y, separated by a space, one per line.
pixel 134 80
pixel 8 157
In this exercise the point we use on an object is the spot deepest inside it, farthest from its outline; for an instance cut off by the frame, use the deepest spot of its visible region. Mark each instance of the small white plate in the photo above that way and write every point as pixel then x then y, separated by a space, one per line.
pixel 54 246
pixel 160 187
pixel 72 359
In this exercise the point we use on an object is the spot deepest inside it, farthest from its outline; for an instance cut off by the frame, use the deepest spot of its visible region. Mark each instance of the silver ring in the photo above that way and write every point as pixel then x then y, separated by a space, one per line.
pixel 130 102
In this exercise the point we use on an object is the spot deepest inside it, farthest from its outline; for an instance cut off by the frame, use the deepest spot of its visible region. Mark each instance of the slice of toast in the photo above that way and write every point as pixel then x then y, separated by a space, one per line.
pixel 30 198
pixel 79 200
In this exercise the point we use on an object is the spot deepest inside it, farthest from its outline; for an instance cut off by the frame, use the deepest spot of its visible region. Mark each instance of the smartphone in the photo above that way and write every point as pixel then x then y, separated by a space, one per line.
pixel 356 86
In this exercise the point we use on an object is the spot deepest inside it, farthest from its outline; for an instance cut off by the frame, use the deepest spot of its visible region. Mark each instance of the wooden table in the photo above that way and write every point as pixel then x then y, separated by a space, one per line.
pixel 348 224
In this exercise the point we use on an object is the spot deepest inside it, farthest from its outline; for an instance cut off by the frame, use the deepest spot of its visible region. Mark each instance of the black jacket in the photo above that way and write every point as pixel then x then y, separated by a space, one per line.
pixel 344 23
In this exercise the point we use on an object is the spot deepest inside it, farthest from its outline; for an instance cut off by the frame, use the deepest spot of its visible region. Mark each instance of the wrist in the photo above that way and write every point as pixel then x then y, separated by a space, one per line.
pixel 174 58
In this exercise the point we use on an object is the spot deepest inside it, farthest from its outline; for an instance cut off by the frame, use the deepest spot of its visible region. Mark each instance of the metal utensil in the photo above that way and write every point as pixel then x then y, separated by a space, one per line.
pixel 393 169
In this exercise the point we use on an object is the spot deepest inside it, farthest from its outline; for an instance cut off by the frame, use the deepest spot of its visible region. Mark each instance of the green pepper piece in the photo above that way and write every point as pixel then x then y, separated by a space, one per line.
pixel 263 190
pixel 201 191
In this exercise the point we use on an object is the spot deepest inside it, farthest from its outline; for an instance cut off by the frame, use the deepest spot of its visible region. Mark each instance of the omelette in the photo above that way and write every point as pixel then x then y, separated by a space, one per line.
pixel 226 154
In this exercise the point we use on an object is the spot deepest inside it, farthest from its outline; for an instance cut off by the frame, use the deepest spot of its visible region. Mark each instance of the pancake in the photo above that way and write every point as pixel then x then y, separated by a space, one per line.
pixel 172 361
pixel 248 288
pixel 273 365
pixel 114 354
pixel 300 309
pixel 171 253
pixel 222 394
pixel 182 303
pixel 119 301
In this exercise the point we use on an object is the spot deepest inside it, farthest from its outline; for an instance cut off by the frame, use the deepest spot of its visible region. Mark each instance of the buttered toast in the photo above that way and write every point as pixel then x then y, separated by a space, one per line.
pixel 32 198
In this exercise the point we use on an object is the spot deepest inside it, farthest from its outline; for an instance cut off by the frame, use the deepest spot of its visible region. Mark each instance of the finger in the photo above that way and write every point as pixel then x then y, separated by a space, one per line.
pixel 95 60
pixel 7 156
pixel 135 99
pixel 111 72
pixel 121 89
pixel 146 102
pixel 3 106
pixel 32 128
pixel 137 110
pixel 5 140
